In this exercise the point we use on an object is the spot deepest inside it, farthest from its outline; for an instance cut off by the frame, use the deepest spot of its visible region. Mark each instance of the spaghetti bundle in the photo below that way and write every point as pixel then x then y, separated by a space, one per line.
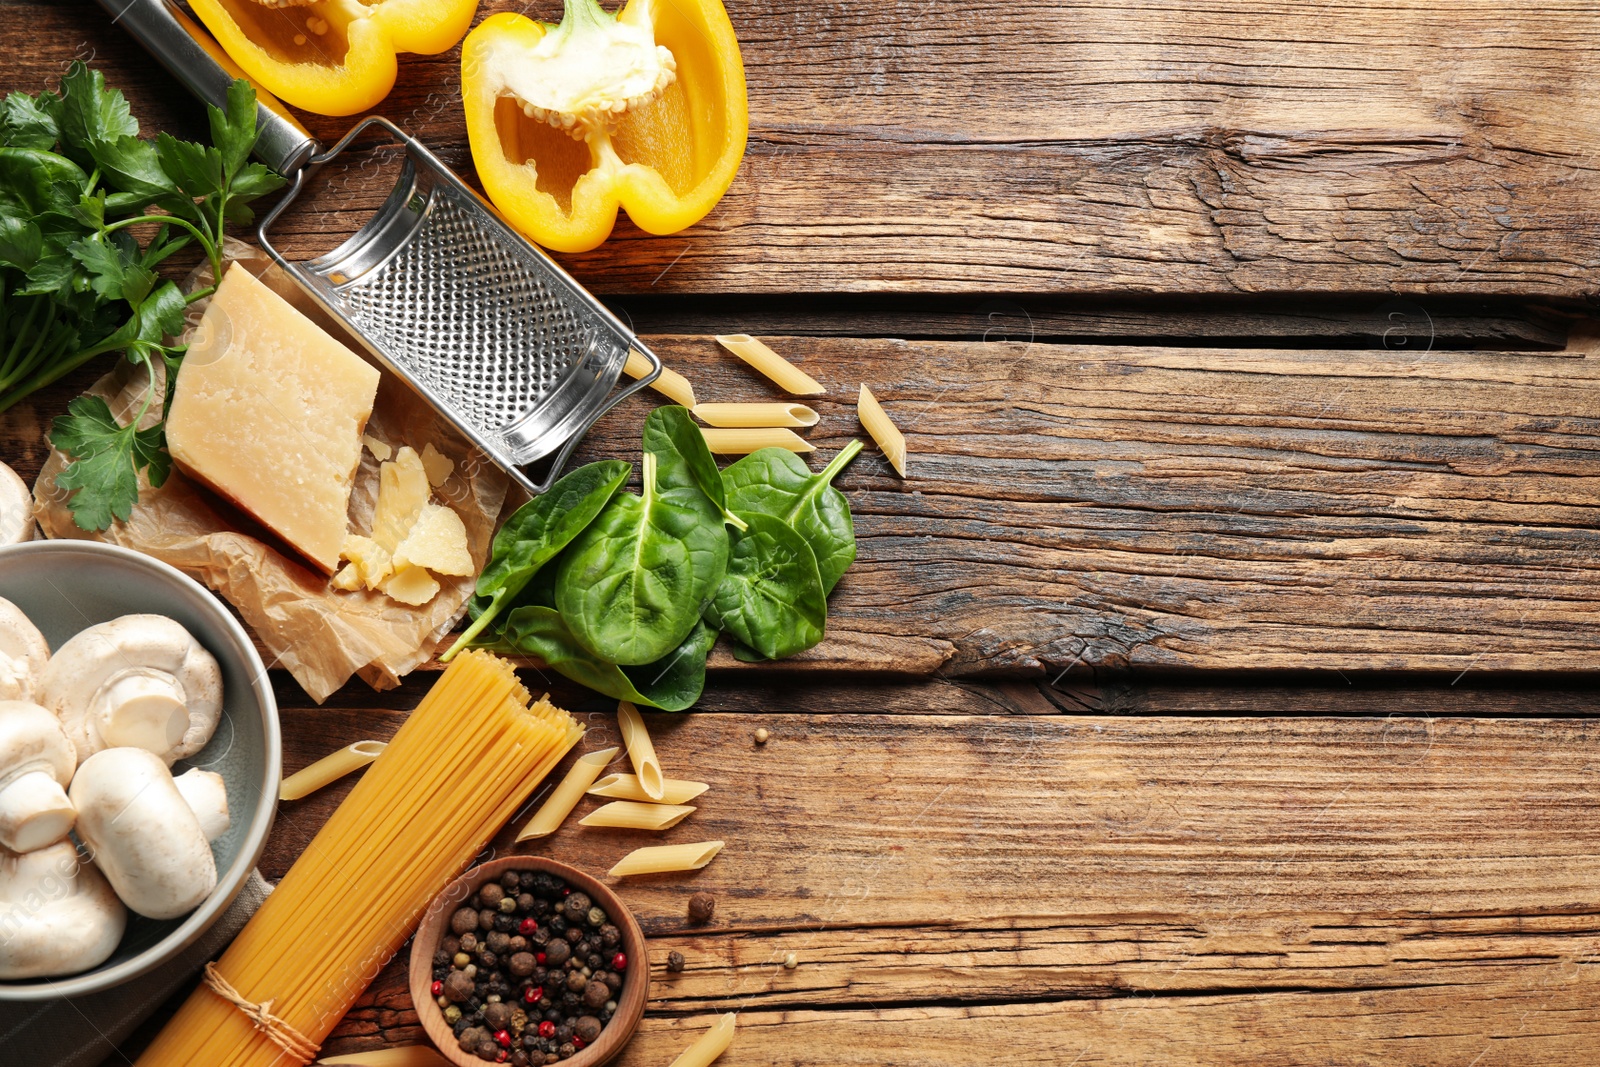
pixel 453 775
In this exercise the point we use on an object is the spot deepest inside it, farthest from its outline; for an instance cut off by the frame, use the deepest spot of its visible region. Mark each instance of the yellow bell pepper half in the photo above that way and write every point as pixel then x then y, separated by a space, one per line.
pixel 333 57
pixel 643 110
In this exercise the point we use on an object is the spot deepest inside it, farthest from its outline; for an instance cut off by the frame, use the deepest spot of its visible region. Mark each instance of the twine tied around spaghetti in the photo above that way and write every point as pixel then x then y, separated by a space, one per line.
pixel 278 1031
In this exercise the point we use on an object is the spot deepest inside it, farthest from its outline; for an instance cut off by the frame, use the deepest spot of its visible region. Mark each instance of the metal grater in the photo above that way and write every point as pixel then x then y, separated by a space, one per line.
pixel 499 339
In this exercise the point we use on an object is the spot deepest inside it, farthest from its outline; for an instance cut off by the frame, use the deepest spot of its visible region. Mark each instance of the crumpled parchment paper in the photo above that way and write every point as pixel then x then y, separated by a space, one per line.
pixel 320 635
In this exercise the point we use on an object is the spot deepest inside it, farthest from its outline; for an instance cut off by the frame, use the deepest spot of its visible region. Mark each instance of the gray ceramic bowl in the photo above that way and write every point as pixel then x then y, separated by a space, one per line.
pixel 64 586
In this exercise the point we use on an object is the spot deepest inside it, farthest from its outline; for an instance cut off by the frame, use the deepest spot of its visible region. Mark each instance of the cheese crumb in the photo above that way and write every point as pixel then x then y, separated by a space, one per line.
pixel 437 541
pixel 413 586
pixel 438 465
pixel 379 450
pixel 402 493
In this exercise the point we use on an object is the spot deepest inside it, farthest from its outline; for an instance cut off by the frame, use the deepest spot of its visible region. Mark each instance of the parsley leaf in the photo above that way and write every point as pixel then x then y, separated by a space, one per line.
pixel 107 458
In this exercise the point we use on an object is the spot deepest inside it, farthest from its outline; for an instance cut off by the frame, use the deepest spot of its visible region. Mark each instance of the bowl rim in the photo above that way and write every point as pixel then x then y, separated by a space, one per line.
pixel 230 882
pixel 430 931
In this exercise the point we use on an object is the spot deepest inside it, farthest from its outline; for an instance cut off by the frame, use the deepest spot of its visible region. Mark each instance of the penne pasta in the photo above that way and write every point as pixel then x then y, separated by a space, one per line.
pixel 669 383
pixel 885 432
pixel 637 815
pixel 641 752
pixel 564 797
pixel 743 440
pixel 756 415
pixel 329 769
pixel 627 787
pixel 789 378
pixel 709 1045
pixel 662 859
pixel 404 1056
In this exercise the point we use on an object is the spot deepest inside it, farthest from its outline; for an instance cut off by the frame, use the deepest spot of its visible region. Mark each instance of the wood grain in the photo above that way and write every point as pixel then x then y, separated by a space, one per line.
pixel 1214 509
pixel 1172 880
pixel 1156 146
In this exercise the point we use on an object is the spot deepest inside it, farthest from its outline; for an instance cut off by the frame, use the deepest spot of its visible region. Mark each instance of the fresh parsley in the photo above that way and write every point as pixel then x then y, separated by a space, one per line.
pixel 75 179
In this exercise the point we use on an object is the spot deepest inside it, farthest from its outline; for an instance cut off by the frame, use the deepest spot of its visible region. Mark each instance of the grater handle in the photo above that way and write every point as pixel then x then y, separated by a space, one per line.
pixel 197 61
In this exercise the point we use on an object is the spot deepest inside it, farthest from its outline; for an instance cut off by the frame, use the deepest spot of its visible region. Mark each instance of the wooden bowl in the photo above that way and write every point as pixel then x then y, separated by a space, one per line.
pixel 436 921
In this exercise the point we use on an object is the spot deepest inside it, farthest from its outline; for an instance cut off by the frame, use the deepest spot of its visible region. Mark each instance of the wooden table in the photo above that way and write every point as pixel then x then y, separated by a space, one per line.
pixel 1212 692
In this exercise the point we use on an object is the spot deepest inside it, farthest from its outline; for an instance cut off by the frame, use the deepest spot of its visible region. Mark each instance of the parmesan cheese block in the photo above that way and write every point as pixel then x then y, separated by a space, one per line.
pixel 269 412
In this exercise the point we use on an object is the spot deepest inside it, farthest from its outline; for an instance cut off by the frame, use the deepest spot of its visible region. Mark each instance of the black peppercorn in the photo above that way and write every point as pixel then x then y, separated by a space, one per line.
pixel 541 907
pixel 470 1037
pixel 511 881
pixel 468 943
pixel 674 964
pixel 570 1000
pixel 498 942
pixel 558 924
pixel 487 1049
pixel 519 1058
pixel 505 923
pixel 576 981
pixel 593 961
pixel 442 958
pixel 573 935
pixel 701 907
pixel 486 919
pixel 553 1015
pixel 610 936
pixel 563 1033
pixel 558 886
pixel 577 906
pixel 464 921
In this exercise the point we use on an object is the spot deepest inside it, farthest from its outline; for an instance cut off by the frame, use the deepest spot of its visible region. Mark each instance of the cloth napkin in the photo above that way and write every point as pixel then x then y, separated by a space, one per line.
pixel 86 1031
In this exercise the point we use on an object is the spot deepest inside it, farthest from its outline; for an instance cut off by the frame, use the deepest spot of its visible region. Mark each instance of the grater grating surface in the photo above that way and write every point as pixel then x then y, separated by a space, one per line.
pixel 469 319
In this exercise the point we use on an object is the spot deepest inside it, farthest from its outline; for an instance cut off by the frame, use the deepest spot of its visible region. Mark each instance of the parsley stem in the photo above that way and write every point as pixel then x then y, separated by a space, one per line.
pixel 204 239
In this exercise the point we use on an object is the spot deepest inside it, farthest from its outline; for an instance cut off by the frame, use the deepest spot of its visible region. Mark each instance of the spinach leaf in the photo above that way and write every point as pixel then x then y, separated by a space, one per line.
pixel 776 482
pixel 671 684
pixel 533 535
pixel 683 457
pixel 771 598
pixel 636 579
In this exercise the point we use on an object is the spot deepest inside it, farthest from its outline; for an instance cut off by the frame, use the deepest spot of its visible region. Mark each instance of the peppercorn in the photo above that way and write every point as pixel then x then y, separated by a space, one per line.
pixel 610 1007
pixel 595 994
pixel 762 735
pixel 437 988
pixel 593 961
pixel 505 923
pixel 508 905
pixel 532 994
pixel 489 895
pixel 442 958
pixel 488 1049
pixel 563 1033
pixel 596 917
pixel 570 1000
pixel 486 919
pixel 511 881
pixel 610 936
pixel 701 907
pixel 540 974
pixel 487 960
pixel 469 943
pixel 573 935
pixel 556 953
pixel 458 987
pixel 465 920
pixel 470 1038
pixel 551 1057
pixel 613 980
pixel 450 945
pixel 452 1015
pixel 587 1027
pixel 576 982
pixel 525 901
pixel 619 962
pixel 567 1049
pixel 674 962
pixel 547 1028
pixel 497 1016
pixel 791 961
pixel 521 964
pixel 576 906
pixel 516 944
pixel 558 923
pixel 519 1058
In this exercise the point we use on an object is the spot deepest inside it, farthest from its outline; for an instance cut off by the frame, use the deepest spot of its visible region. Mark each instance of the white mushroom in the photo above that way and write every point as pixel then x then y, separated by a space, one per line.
pixel 57 914
pixel 36 763
pixel 140 681
pixel 16 508
pixel 207 796
pixel 23 653
pixel 137 823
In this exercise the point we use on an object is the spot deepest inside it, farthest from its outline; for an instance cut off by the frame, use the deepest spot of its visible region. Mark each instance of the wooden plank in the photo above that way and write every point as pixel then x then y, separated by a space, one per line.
pixel 1157 146
pixel 1095 507
pixel 1296 882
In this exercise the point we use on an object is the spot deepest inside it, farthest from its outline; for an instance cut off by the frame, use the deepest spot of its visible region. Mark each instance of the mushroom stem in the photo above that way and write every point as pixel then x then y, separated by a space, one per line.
pixel 207 796
pixel 144 709
pixel 34 812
